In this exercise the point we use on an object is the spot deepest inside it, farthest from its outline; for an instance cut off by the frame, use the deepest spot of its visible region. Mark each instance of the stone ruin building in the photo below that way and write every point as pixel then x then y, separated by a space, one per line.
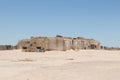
pixel 59 43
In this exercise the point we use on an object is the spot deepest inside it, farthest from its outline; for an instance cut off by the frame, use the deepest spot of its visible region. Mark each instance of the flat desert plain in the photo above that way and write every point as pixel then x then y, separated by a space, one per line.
pixel 59 65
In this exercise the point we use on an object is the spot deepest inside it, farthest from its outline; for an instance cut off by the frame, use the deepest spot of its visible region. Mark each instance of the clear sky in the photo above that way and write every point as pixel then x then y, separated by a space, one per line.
pixel 98 19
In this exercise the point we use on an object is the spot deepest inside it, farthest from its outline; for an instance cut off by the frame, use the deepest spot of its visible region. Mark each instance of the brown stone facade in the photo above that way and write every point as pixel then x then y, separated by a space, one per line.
pixel 60 43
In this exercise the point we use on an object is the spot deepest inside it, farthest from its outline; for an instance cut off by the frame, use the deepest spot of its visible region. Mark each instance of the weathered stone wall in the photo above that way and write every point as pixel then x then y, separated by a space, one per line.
pixel 67 44
pixel 23 43
pixel 52 44
pixel 94 44
pixel 60 43
pixel 39 42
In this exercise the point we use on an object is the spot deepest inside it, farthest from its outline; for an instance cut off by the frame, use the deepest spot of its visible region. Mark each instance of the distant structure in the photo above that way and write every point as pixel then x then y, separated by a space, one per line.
pixel 6 47
pixel 59 43
pixel 111 48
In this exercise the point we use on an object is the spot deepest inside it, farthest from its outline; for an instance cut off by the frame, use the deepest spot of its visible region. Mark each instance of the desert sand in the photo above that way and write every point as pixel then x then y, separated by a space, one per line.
pixel 59 65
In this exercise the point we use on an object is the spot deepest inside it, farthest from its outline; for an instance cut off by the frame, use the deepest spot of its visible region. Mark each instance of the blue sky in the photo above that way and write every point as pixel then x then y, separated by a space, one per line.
pixel 98 19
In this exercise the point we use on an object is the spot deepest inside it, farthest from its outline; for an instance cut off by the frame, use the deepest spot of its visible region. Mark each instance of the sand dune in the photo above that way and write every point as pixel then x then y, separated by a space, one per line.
pixel 58 65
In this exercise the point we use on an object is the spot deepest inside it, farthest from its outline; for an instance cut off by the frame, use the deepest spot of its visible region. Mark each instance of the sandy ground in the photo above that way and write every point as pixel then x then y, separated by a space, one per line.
pixel 58 65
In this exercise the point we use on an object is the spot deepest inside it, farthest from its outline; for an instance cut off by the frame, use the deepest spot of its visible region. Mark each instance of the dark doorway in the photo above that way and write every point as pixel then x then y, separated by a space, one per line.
pixel 92 46
pixel 40 49
pixel 24 47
